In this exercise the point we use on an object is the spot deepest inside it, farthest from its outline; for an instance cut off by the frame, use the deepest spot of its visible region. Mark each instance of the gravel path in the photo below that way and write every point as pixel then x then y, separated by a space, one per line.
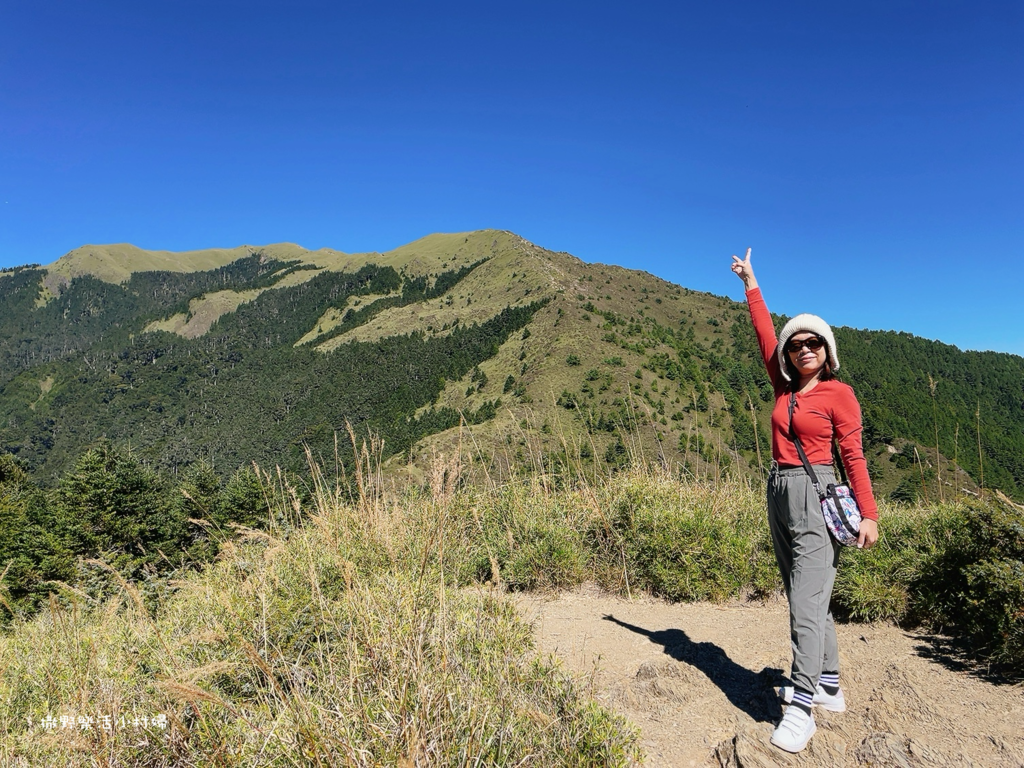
pixel 698 680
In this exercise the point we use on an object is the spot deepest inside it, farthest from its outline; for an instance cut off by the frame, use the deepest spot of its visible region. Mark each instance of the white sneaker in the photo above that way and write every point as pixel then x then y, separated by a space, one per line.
pixel 794 730
pixel 821 699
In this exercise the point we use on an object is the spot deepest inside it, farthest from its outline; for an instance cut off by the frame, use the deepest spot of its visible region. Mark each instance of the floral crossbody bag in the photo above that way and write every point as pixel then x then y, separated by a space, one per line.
pixel 838 506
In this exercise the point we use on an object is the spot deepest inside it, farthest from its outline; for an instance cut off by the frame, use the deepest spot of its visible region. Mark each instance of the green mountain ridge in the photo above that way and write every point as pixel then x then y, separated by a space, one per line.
pixel 482 338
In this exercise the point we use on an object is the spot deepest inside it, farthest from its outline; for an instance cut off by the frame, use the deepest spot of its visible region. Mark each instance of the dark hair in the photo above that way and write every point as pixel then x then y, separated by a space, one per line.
pixel 826 374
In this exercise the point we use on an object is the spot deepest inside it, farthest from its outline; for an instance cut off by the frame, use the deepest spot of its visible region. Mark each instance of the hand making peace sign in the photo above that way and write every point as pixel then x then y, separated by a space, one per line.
pixel 744 271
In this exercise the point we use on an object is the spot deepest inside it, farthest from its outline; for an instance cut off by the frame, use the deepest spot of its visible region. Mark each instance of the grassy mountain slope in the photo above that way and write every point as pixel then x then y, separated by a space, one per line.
pixel 116 263
pixel 245 353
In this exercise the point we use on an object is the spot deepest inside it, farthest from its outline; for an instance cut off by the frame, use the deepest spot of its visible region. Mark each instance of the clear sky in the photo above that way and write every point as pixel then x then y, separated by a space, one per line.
pixel 871 153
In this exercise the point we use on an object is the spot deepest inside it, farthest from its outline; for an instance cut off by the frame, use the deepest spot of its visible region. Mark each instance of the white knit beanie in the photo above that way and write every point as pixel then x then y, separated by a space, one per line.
pixel 811 324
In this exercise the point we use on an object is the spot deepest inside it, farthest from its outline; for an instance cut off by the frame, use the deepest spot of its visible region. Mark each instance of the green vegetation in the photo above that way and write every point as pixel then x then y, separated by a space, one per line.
pixel 955 566
pixel 109 507
pixel 79 367
pixel 358 626
pixel 924 391
pixel 340 642
pixel 177 400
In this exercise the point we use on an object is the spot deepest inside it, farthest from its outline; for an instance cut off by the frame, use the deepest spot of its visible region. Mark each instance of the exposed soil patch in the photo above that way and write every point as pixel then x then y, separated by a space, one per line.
pixel 699 681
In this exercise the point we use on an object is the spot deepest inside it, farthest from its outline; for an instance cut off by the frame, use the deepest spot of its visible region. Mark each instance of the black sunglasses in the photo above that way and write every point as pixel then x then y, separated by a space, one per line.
pixel 814 344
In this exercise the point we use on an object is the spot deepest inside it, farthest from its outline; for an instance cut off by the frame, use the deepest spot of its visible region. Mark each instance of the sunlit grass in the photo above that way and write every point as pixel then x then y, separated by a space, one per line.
pixel 373 628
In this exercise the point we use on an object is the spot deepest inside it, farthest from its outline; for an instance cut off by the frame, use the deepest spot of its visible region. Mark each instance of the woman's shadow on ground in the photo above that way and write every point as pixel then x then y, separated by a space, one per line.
pixel 751 692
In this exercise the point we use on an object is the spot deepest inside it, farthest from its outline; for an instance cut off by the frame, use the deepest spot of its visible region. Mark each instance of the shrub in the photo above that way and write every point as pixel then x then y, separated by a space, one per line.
pixel 874 584
pixel 687 542
pixel 955 568
pixel 111 506
pixel 972 579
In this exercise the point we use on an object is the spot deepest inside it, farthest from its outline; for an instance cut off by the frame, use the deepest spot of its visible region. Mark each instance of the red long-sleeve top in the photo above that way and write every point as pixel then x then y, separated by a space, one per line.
pixel 828 410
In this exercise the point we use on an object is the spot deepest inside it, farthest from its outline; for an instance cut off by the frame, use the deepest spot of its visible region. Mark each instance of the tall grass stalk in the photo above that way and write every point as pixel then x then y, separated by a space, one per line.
pixel 932 384
pixel 956 460
pixel 757 438
pixel 981 458
pixel 920 466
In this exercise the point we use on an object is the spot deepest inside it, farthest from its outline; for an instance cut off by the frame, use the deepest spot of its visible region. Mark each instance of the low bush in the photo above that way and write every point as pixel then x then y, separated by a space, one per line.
pixel 684 542
pixel 971 582
pixel 336 643
pixel 874 584
pixel 528 539
pixel 956 568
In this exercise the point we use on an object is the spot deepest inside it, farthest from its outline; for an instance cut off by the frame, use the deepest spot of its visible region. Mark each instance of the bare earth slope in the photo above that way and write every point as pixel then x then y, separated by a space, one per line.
pixel 698 680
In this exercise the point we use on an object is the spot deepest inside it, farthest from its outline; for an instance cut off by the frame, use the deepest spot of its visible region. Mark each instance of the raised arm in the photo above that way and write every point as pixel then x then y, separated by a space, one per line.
pixel 761 318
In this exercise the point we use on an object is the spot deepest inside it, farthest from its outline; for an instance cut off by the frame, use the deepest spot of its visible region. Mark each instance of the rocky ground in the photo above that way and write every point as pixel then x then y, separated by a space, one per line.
pixel 699 681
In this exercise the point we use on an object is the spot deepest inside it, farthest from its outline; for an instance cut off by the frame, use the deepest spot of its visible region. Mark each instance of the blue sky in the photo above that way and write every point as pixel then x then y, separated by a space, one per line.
pixel 870 153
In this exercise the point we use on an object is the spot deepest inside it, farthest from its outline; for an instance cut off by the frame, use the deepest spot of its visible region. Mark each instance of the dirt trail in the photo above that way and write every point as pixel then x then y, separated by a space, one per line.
pixel 698 680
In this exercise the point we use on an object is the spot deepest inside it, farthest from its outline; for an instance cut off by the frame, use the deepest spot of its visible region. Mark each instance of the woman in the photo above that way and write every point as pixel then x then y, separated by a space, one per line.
pixel 804 360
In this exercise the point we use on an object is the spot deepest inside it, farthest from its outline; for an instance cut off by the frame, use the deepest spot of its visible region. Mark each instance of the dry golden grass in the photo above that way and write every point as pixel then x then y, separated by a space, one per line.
pixel 369 627
pixel 203 313
pixel 338 637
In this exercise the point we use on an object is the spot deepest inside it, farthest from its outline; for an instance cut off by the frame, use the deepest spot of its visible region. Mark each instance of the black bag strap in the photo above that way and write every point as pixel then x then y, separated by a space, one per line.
pixel 810 470
pixel 800 449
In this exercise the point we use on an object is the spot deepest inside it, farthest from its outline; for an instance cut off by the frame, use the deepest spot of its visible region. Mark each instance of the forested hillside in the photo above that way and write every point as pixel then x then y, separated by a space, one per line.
pixel 547 360
pixel 971 404
pixel 78 368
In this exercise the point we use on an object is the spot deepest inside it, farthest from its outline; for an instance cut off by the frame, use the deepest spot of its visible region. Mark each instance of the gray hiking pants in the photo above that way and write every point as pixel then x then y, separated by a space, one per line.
pixel 808 557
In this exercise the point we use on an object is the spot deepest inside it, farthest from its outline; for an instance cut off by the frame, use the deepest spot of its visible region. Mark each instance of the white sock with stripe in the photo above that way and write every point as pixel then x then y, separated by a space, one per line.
pixel 829 682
